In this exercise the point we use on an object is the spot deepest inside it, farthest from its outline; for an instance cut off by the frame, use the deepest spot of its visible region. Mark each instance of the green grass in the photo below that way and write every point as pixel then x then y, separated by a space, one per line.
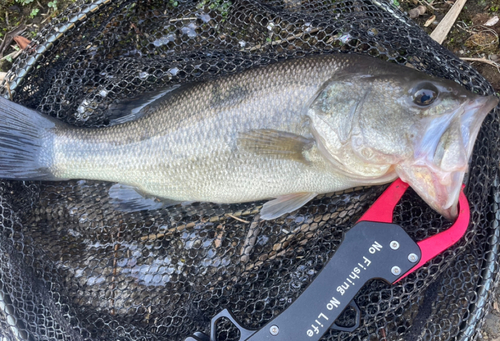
pixel 53 5
pixel 34 12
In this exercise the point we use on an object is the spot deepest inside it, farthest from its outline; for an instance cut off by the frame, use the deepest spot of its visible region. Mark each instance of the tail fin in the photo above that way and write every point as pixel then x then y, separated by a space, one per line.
pixel 24 135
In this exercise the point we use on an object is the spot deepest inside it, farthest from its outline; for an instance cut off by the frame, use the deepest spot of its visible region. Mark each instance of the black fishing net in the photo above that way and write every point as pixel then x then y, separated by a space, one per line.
pixel 72 267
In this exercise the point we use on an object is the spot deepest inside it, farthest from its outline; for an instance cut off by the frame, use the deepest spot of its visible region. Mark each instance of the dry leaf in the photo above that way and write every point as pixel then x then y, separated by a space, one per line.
pixel 430 21
pixel 218 237
pixel 492 22
pixel 22 42
pixel 482 39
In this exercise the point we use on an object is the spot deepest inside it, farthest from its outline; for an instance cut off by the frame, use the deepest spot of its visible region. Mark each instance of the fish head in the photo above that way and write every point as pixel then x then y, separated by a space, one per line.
pixel 379 121
pixel 442 140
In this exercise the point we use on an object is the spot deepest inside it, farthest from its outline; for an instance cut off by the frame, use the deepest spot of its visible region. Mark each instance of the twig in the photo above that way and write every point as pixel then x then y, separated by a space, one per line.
pixel 168 232
pixel 239 219
pixel 277 42
pixel 443 28
pixel 183 19
pixel 155 236
pixel 8 90
pixel 384 335
pixel 9 37
pixel 219 235
pixel 482 60
pixel 7 18
pixel 463 26
pixel 39 4
pixel 115 271
pixel 251 238
pixel 280 248
pixel 2 75
pixel 47 18
pixel 428 4
pixel 475 29
pixel 13 55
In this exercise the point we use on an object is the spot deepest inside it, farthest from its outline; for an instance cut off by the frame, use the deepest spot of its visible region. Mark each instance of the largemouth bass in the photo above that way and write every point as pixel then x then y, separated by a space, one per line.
pixel 286 132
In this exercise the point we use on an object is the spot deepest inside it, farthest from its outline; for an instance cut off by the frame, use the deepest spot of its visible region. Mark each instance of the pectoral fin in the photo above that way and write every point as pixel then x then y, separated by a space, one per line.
pixel 275 143
pixel 129 199
pixel 285 204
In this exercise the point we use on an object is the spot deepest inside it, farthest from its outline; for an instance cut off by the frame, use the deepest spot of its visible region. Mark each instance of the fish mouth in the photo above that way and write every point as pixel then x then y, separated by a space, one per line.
pixel 438 176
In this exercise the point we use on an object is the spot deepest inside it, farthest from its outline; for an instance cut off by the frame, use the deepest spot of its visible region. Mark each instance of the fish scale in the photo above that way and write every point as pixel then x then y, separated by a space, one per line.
pixel 193 138
pixel 289 131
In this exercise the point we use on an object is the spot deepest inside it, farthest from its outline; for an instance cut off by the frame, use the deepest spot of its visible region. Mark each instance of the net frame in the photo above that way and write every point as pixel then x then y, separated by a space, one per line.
pixel 99 52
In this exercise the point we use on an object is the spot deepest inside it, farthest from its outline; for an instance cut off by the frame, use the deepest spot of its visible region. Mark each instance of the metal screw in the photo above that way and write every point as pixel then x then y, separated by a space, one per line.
pixel 394 245
pixel 396 270
pixel 274 330
pixel 412 257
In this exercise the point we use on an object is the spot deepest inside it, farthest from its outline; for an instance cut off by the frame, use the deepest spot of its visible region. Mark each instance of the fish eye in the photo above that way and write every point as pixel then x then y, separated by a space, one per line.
pixel 425 95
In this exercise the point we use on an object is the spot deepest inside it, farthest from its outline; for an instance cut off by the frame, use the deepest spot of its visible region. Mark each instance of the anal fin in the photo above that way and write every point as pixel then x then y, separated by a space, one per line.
pixel 275 143
pixel 285 204
pixel 129 199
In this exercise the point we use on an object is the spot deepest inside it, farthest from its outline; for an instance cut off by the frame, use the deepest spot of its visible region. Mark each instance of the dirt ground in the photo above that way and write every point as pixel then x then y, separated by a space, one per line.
pixel 474 35
pixel 491 327
pixel 25 18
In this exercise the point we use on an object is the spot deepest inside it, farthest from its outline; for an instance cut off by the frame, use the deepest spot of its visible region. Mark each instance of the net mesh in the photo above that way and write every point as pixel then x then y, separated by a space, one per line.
pixel 74 268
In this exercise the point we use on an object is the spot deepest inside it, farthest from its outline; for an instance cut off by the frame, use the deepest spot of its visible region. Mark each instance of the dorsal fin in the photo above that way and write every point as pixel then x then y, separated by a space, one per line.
pixel 131 109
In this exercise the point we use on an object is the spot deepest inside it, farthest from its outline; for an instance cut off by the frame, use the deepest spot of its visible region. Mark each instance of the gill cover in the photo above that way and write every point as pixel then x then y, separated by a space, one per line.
pixel 336 116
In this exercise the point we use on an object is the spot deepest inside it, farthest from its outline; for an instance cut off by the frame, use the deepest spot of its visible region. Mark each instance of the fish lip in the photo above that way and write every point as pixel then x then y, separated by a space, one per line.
pixel 477 109
pixel 486 102
pixel 480 107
